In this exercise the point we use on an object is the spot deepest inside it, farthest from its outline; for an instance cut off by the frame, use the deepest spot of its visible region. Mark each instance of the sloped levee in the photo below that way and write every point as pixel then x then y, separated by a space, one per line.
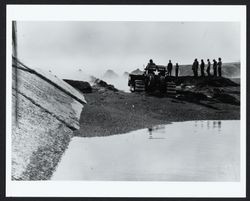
pixel 45 112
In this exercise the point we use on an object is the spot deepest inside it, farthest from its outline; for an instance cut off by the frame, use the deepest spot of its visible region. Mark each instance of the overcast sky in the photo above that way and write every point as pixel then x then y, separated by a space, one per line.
pixel 65 47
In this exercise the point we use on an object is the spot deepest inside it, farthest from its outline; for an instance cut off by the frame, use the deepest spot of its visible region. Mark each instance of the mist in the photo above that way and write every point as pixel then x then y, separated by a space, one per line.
pixel 64 47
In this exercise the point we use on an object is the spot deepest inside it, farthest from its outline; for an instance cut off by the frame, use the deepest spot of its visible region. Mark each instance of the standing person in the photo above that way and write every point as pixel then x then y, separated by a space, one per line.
pixel 195 67
pixel 208 68
pixel 170 67
pixel 202 66
pixel 176 70
pixel 215 67
pixel 151 63
pixel 219 67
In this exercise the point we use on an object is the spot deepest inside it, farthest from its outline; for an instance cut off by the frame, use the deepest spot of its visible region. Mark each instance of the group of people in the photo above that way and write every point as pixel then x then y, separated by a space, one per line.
pixel 170 67
pixel 216 67
pixel 168 70
pixel 195 67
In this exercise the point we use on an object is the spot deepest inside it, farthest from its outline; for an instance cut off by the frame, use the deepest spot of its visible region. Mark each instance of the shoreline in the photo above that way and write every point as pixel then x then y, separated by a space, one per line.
pixel 111 113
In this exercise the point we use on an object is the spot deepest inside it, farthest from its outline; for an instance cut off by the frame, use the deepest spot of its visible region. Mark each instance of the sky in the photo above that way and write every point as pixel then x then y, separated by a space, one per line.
pixel 64 47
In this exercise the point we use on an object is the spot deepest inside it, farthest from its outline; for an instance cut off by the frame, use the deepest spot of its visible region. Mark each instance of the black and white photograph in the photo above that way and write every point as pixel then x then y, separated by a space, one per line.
pixel 127 102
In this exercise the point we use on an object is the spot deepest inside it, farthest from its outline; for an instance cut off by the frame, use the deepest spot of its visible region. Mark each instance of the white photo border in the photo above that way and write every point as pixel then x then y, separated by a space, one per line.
pixel 172 13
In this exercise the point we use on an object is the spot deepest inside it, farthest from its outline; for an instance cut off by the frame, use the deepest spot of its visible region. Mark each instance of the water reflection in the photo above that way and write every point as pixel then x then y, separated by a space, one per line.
pixel 195 126
pixel 208 125
pixel 159 132
pixel 150 133
pixel 214 124
pixel 184 151
pixel 217 125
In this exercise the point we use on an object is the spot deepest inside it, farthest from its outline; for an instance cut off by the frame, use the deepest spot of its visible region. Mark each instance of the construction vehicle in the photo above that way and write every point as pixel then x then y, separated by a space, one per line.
pixel 153 78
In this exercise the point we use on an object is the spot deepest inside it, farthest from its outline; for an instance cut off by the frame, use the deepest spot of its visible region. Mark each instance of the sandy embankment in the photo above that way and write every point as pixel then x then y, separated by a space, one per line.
pixel 114 112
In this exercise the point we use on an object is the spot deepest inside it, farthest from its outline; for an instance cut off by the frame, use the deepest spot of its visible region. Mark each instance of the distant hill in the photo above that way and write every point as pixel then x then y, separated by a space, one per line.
pixel 236 80
pixel 110 74
pixel 137 72
pixel 231 70
pixel 92 79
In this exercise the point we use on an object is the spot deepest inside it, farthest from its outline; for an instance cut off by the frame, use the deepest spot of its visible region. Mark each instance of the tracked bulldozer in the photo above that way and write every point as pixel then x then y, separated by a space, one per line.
pixel 153 78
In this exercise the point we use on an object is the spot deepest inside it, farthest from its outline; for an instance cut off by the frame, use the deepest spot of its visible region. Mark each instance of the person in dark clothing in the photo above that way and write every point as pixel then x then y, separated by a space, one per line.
pixel 150 67
pixel 176 70
pixel 202 66
pixel 219 67
pixel 215 67
pixel 208 68
pixel 170 67
pixel 151 63
pixel 195 67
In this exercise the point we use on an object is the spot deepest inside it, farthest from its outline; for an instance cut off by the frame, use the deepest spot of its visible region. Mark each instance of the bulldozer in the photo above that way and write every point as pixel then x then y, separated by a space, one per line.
pixel 153 78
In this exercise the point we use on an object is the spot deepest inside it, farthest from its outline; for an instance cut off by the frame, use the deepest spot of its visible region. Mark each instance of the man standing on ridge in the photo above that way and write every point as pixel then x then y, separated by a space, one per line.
pixel 170 67
pixel 202 66
pixel 176 70
pixel 208 68
pixel 219 67
pixel 215 67
pixel 195 67
pixel 151 63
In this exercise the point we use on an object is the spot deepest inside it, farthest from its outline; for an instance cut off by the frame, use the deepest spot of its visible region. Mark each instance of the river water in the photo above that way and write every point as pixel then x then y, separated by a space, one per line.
pixel 180 151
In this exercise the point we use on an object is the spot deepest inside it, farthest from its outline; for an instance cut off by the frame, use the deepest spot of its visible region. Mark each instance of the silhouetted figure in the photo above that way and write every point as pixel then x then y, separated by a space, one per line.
pixel 150 68
pixel 202 66
pixel 176 70
pixel 195 67
pixel 208 68
pixel 219 67
pixel 170 67
pixel 215 67
pixel 151 63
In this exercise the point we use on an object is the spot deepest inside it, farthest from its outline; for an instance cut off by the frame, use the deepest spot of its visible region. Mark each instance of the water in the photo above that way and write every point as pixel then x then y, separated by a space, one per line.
pixel 182 151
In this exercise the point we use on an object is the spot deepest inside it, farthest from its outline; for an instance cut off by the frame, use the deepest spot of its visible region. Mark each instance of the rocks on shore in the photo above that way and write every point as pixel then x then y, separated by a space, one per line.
pixel 200 89
pixel 82 86
pixel 97 84
pixel 224 97
pixel 102 84
pixel 207 89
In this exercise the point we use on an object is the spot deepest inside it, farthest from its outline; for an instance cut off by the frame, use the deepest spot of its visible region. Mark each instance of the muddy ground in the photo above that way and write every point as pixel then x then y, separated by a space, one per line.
pixel 110 112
